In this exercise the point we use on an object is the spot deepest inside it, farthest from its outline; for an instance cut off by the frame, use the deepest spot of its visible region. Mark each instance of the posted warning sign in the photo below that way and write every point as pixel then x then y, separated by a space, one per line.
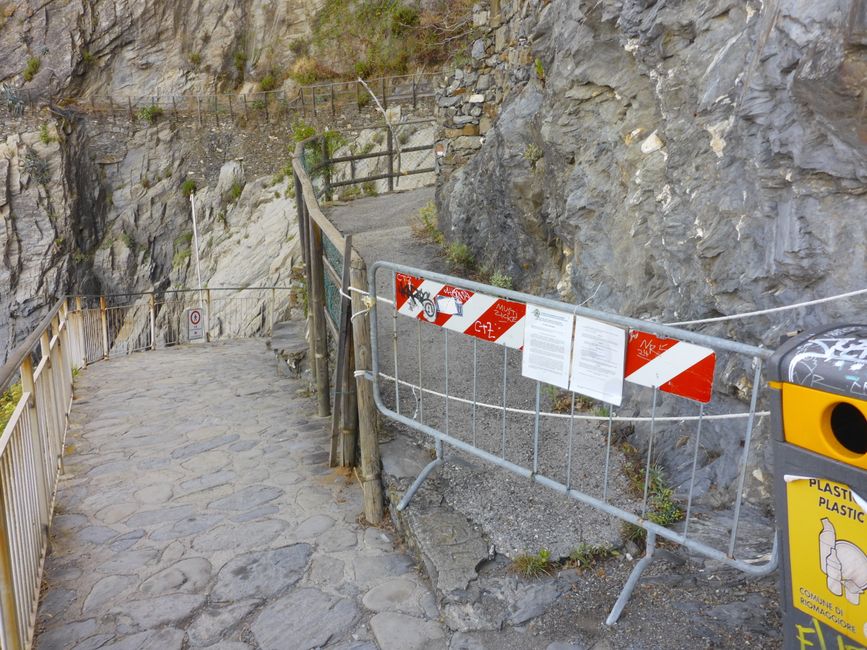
pixel 828 550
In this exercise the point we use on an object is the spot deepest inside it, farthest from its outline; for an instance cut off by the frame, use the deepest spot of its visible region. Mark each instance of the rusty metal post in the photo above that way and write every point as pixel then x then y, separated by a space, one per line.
pixel 384 94
pixel 414 94
pixel 207 313
pixel 103 317
pixel 199 106
pixel 333 111
pixel 153 320
pixel 231 109
pixel 82 344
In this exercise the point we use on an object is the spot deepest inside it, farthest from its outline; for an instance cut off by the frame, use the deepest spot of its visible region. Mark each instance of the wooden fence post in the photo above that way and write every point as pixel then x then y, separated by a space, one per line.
pixel 370 457
pixel 341 379
pixel 316 291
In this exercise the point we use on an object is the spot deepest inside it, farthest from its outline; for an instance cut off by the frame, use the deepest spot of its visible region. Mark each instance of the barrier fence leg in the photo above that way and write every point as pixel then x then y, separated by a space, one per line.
pixel 639 568
pixel 416 484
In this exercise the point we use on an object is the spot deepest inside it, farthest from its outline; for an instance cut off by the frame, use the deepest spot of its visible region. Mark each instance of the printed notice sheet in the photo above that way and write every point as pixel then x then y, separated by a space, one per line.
pixel 597 360
pixel 547 345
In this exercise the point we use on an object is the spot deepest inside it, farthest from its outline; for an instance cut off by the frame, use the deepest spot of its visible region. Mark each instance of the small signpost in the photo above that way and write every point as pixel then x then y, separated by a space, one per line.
pixel 195 324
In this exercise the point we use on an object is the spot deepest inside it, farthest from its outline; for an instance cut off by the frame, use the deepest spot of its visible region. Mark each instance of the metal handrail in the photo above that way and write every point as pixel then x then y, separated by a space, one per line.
pixel 9 370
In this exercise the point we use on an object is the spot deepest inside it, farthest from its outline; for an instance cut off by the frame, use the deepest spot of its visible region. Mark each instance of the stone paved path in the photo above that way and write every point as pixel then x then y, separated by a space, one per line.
pixel 197 510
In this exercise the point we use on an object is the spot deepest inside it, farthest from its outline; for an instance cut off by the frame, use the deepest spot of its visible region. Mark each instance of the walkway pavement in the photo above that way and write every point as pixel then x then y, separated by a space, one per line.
pixel 197 510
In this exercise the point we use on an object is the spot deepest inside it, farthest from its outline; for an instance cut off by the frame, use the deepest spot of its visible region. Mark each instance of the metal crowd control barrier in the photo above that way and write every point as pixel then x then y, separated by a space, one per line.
pixel 511 440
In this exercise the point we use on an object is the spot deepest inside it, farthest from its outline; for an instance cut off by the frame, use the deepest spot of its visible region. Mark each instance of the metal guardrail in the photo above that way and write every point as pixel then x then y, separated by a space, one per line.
pixel 331 99
pixel 361 172
pixel 32 441
pixel 119 324
pixel 521 440
pixel 31 451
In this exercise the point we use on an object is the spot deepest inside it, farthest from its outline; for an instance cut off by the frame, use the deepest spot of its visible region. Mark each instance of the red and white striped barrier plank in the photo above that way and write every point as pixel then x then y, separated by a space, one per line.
pixel 461 310
pixel 673 366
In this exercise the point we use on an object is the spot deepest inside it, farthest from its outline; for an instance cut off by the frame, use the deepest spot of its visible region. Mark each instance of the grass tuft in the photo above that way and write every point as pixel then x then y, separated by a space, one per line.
pixel 533 566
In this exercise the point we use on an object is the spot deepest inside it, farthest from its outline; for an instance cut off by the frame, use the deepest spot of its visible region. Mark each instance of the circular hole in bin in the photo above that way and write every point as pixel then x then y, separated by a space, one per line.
pixel 849 427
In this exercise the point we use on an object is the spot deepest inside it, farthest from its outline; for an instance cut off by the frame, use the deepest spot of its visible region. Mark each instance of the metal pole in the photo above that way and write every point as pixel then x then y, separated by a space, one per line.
pixel 536 429
pixel 694 464
pixel 649 452
pixel 748 436
pixel 103 317
pixel 152 312
pixel 196 245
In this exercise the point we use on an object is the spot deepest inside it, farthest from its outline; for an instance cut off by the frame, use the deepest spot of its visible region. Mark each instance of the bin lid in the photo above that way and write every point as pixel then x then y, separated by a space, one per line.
pixel 830 358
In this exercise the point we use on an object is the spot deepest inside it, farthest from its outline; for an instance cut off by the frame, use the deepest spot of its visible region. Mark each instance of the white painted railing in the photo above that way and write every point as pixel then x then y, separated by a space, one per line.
pixel 31 452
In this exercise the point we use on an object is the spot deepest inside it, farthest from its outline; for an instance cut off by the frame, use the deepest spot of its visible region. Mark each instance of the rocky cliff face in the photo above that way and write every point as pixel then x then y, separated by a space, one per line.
pixel 664 159
pixel 152 47
pixel 670 161
pixel 92 203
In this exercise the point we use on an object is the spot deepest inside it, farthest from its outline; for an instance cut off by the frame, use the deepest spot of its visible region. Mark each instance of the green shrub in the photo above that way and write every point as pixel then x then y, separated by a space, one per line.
pixel 532 566
pixel 239 60
pixel 182 248
pixel 540 69
pixel 195 59
pixel 588 554
pixel 188 187
pixel 532 154
pixel 32 67
pixel 501 280
pixel 301 130
pixel 268 82
pixel 459 255
pixel 150 113
pixel 87 58
pixel 45 136
pixel 8 401
pixel 425 226
pixel 235 191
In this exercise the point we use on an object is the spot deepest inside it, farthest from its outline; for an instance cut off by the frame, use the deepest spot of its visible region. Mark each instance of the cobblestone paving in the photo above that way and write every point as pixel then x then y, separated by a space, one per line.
pixel 197 510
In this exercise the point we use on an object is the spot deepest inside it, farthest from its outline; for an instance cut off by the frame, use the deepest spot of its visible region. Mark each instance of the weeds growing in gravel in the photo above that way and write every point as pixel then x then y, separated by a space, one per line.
pixel 587 555
pixel 533 566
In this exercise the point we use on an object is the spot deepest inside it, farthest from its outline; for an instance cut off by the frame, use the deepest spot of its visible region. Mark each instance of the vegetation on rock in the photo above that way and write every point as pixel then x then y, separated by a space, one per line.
pixel 370 38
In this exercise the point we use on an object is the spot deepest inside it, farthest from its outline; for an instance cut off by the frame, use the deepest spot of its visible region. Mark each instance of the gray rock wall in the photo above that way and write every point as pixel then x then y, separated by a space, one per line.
pixel 672 160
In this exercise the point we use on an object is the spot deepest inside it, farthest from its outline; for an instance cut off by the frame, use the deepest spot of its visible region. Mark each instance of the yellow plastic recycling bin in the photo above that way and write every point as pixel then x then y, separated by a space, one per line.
pixel 819 411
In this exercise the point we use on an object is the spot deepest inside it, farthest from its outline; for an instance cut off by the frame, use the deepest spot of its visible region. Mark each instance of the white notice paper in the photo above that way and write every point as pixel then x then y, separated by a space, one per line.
pixel 598 359
pixel 547 345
